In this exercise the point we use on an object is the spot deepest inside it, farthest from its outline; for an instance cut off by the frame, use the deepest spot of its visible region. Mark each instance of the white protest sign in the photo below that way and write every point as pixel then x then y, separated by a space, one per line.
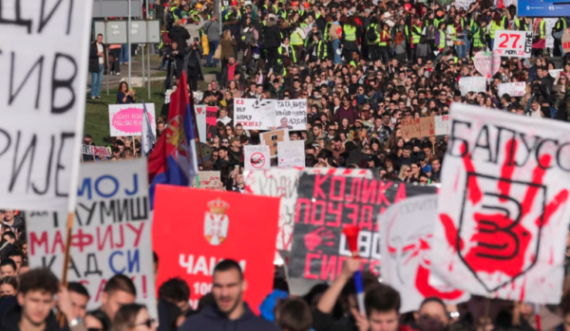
pixel 441 125
pixel 472 84
pixel 209 180
pixel 254 114
pixel 516 89
pixel 548 26
pixel 283 183
pixel 127 119
pixel 406 230
pixel 503 208
pixel 95 150
pixel 554 73
pixel 291 114
pixel 111 231
pixel 291 153
pixel 463 4
pixel 200 113
pixel 257 157
pixel 487 63
pixel 268 114
pixel 513 43
pixel 44 59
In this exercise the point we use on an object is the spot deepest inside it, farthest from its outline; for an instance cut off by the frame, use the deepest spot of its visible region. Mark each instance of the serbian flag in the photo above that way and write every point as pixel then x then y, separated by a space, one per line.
pixel 173 159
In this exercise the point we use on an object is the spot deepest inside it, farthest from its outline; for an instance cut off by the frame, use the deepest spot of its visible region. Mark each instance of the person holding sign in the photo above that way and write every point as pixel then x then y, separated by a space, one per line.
pixel 124 95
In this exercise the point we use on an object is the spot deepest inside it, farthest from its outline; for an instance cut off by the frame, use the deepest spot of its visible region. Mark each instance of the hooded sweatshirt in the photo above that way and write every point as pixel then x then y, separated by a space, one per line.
pixel 212 319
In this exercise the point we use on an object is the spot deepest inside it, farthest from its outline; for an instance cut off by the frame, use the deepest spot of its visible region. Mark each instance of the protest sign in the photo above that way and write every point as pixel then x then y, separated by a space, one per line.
pixel 127 119
pixel 220 225
pixel 516 89
pixel 566 43
pixel 513 43
pixel 96 150
pixel 211 120
pixel 111 232
pixel 549 24
pixel 554 72
pixel 291 114
pixel 44 70
pixel 472 84
pixel 326 204
pixel 406 229
pixel 200 113
pixel 209 180
pixel 272 138
pixel 291 153
pixel 503 206
pixel 254 114
pixel 257 157
pixel 441 124
pixel 463 4
pixel 417 127
pixel 486 63
pixel 268 114
pixel 283 183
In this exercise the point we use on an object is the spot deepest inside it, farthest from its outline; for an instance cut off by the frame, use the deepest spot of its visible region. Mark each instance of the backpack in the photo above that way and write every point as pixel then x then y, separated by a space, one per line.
pixel 169 19
pixel 371 33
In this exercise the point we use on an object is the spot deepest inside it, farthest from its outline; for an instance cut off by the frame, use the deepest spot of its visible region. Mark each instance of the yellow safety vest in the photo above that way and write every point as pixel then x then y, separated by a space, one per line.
pixel 349 33
pixel 494 27
pixel 296 39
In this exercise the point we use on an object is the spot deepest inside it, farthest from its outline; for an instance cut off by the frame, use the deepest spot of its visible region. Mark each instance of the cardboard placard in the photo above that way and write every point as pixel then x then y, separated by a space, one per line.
pixel 209 180
pixel 418 127
pixel 272 138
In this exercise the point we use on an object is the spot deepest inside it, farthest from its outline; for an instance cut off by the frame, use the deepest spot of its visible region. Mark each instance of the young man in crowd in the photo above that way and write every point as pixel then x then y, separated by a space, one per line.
pixel 229 310
pixel 118 291
pixel 7 268
pixel 79 297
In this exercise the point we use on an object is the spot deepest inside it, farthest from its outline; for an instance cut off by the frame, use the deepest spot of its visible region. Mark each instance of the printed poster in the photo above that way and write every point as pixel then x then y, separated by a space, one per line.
pixel 220 225
pixel 257 157
pixel 127 119
pixel 269 114
pixel 111 231
pixel 503 206
pixel 291 153
pixel 472 84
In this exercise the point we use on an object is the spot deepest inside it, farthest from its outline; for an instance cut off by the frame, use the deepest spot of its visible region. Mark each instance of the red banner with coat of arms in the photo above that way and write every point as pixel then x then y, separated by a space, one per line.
pixel 195 229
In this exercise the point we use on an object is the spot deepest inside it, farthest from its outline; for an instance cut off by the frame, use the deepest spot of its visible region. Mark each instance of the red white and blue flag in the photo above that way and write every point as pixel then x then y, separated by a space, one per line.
pixel 173 159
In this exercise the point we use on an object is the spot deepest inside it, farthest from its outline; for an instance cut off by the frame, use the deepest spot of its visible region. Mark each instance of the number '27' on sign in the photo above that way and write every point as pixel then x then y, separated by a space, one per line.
pixel 513 43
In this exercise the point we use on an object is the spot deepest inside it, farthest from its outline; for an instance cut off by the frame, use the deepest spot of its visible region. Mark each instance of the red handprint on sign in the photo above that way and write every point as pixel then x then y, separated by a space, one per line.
pixel 498 223
pixel 321 236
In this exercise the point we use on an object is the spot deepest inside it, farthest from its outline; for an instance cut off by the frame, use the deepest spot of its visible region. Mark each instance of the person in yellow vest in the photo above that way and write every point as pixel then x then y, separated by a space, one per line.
pixel 383 48
pixel 478 36
pixel 297 39
pixel 372 38
pixel 496 24
pixel 416 33
pixel 539 37
pixel 557 32
pixel 349 37
pixel 460 36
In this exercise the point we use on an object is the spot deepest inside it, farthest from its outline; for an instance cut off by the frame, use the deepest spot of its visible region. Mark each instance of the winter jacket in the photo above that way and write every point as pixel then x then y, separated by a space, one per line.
pixel 179 34
pixel 11 319
pixel 94 58
pixel 237 70
pixel 271 36
pixel 212 319
pixel 193 64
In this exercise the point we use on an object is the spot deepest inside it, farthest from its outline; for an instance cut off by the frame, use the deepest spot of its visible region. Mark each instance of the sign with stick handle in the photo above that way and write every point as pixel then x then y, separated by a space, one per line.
pixel 351 234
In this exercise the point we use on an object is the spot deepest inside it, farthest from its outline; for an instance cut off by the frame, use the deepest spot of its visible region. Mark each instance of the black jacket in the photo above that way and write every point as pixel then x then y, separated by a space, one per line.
pixel 93 58
pixel 13 315
pixel 180 35
pixel 271 36
pixel 212 319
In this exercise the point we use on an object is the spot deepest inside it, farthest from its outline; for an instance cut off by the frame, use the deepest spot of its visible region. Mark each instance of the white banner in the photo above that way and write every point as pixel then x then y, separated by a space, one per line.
pixel 549 25
pixel 43 66
pixel 516 89
pixel 441 125
pixel 257 157
pixel 283 183
pixel 291 153
pixel 503 207
pixel 200 113
pixel 111 231
pixel 127 119
pixel 406 230
pixel 268 114
pixel 472 84
pixel 464 4
pixel 513 43
pixel 96 150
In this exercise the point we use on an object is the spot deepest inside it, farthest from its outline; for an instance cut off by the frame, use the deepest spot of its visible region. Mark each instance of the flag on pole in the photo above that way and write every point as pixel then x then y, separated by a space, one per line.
pixel 173 159
pixel 147 134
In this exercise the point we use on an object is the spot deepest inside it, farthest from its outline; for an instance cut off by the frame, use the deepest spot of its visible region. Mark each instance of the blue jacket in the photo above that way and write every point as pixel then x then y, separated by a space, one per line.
pixel 212 319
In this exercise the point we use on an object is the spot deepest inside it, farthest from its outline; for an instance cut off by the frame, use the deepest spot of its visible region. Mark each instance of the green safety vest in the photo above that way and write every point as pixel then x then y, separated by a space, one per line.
pixel 437 21
pixel 542 29
pixel 453 31
pixel 296 39
pixel 494 27
pixel 176 18
pixel 322 48
pixel 416 34
pixel 375 41
pixel 477 38
pixel 280 51
pixel 441 39
pixel 349 33
pixel 564 26
pixel 407 33
pixel 518 24
pixel 327 28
